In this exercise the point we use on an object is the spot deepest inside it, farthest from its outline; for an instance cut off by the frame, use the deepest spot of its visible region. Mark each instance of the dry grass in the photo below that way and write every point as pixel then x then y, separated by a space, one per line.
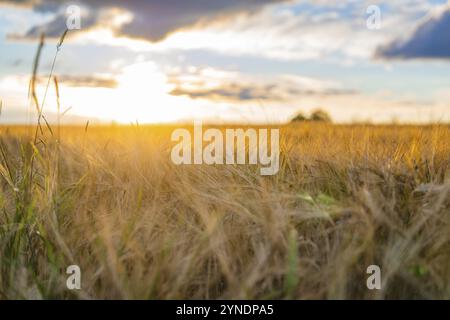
pixel 110 200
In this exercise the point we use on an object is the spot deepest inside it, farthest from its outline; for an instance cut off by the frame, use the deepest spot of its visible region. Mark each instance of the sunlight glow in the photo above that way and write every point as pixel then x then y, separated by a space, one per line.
pixel 142 95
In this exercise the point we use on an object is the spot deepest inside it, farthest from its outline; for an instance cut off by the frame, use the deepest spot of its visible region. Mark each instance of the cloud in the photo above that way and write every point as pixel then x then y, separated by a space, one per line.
pixel 289 30
pixel 83 81
pixel 224 86
pixel 235 92
pixel 88 81
pixel 151 20
pixel 328 31
pixel 54 28
pixel 430 40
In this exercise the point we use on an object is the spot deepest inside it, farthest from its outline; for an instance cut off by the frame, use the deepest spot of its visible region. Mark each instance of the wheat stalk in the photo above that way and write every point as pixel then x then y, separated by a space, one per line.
pixel 41 109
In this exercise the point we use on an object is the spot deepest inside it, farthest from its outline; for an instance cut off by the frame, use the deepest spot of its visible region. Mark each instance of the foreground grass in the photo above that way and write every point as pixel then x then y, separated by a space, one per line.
pixel 109 200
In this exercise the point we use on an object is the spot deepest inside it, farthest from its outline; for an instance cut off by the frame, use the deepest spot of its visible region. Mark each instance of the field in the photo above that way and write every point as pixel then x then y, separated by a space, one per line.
pixel 110 200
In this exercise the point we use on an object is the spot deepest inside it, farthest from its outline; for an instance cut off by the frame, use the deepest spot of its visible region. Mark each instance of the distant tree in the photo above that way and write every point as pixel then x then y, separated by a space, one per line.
pixel 320 115
pixel 300 117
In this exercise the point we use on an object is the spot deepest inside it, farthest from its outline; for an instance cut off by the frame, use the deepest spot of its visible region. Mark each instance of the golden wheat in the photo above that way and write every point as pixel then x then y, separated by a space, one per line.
pixel 110 200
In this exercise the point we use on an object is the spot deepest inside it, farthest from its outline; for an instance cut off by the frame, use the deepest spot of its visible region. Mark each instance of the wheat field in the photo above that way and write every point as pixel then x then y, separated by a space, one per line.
pixel 108 198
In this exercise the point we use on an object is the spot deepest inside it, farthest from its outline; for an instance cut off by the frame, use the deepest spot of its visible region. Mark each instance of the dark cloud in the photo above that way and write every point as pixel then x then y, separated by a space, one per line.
pixel 152 19
pixel 233 92
pixel 86 81
pixel 281 90
pixel 55 27
pixel 430 40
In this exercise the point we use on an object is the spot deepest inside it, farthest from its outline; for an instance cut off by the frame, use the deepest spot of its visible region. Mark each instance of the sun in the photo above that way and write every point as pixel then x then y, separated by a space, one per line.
pixel 142 94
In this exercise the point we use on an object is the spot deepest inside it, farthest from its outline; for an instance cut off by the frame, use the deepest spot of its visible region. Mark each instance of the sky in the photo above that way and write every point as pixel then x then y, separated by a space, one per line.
pixel 229 61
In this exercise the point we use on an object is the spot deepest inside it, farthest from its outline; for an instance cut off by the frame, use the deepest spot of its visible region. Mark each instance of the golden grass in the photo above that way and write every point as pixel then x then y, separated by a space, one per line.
pixel 109 200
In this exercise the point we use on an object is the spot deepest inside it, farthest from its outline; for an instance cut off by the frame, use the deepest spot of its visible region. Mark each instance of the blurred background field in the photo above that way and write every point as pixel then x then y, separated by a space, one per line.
pixel 109 199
